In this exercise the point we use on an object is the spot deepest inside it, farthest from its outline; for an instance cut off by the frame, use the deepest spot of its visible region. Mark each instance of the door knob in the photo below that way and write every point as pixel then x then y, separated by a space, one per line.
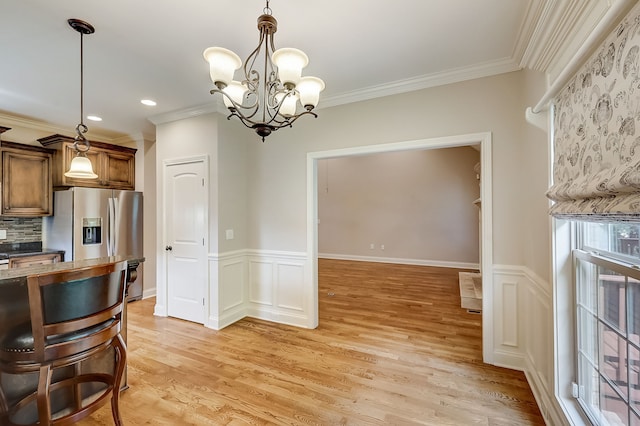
pixel 168 248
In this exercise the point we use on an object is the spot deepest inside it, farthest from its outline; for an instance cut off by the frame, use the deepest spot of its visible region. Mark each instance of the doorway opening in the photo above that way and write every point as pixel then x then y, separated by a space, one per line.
pixel 483 140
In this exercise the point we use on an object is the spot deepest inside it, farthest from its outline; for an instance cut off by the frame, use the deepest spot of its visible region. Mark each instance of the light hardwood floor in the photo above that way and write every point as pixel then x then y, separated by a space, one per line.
pixel 393 348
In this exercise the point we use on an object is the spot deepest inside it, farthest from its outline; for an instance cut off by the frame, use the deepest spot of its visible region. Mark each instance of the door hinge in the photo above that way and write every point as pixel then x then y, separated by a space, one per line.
pixel 203 241
pixel 203 301
pixel 202 181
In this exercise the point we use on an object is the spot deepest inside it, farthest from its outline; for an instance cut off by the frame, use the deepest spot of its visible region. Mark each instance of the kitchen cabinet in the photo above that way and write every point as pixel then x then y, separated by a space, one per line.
pixel 26 180
pixel 36 259
pixel 114 164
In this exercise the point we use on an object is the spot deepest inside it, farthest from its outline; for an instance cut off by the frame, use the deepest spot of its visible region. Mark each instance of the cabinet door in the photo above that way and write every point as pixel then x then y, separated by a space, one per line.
pixel 119 170
pixel 39 259
pixel 26 184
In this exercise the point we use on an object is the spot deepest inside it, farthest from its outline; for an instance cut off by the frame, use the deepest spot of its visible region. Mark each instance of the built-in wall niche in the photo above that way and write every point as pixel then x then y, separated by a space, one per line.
pixel 21 229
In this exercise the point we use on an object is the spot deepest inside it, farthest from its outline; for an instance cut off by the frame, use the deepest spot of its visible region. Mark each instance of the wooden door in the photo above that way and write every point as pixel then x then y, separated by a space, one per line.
pixel 185 212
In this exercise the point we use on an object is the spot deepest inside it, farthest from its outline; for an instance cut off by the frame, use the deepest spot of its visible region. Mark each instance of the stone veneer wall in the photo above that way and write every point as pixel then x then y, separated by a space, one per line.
pixel 21 230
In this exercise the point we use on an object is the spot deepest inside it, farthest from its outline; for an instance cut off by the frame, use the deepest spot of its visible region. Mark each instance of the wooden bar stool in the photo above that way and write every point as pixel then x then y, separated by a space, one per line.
pixel 75 316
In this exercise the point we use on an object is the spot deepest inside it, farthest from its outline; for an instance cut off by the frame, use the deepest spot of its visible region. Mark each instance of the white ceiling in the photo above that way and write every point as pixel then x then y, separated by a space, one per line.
pixel 153 49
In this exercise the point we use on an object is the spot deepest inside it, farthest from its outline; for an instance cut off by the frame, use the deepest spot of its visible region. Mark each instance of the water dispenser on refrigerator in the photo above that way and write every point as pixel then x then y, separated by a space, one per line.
pixel 91 230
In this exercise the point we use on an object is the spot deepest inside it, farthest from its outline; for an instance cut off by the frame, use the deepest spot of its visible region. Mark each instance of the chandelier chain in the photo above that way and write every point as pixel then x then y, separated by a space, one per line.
pixel 267 9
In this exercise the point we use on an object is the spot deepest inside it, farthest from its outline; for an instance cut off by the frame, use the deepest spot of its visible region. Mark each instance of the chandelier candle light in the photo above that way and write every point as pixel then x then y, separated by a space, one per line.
pixel 80 167
pixel 265 102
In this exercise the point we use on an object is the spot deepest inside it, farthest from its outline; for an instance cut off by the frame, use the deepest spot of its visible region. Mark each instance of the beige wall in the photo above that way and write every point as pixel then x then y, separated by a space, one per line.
pixel 411 205
pixel 232 186
pixel 277 193
pixel 196 136
pixel 535 171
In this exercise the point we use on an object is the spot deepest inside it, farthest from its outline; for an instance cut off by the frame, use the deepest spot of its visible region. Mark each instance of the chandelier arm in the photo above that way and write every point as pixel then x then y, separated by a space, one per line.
pixel 249 71
pixel 289 122
pixel 248 124
pixel 236 105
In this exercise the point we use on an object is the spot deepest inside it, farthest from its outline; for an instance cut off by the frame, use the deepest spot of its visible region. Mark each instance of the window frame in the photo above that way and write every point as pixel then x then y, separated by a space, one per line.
pixel 615 262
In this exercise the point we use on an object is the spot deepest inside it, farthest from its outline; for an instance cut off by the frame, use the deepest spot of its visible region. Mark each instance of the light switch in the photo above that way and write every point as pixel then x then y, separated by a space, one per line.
pixel 3 234
pixel 229 234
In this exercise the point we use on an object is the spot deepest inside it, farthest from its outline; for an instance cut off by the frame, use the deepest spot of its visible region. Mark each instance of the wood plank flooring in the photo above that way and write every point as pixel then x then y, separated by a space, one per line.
pixel 393 347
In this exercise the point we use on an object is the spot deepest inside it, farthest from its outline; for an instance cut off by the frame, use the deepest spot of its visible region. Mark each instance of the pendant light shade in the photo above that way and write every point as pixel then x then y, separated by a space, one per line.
pixel 290 62
pixel 222 64
pixel 81 168
pixel 236 92
pixel 309 89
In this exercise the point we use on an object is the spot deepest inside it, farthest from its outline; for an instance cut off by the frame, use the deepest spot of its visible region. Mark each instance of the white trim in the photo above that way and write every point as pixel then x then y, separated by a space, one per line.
pixel 426 81
pixel 603 28
pixel 484 140
pixel 185 113
pixel 400 261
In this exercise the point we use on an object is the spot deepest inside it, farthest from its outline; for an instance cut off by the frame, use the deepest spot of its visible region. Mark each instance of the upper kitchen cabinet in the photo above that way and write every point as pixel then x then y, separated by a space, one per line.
pixel 114 165
pixel 26 180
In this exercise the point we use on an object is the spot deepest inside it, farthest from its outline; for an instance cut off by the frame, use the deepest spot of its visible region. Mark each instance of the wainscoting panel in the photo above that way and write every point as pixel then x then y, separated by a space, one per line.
pixel 232 291
pixel 510 310
pixel 268 285
pixel 227 289
pixel 289 300
pixel 261 289
pixel 290 286
pixel 523 332
pixel 507 312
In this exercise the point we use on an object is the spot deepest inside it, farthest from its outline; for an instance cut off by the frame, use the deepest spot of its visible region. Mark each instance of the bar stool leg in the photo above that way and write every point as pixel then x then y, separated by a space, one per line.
pixel 121 362
pixel 44 404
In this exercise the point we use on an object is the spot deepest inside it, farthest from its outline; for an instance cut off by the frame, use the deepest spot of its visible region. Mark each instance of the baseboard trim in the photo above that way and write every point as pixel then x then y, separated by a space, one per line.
pixel 401 261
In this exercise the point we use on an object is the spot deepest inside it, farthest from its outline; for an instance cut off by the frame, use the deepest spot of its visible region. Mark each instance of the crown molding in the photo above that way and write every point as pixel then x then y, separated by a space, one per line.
pixel 557 27
pixel 35 126
pixel 423 82
pixel 182 114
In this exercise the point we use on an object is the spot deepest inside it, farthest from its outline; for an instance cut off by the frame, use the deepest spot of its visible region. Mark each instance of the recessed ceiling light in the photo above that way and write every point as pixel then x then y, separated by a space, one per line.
pixel 148 102
pixel 94 118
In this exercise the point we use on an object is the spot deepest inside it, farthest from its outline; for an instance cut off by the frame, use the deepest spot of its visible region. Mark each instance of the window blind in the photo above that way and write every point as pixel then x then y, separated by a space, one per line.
pixel 596 139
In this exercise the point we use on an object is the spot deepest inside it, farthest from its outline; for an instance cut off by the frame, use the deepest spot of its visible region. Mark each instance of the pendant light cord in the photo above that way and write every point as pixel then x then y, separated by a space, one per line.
pixel 81 128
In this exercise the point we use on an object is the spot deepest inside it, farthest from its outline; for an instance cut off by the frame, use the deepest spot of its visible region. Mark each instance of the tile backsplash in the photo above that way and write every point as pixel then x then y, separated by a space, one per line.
pixel 22 229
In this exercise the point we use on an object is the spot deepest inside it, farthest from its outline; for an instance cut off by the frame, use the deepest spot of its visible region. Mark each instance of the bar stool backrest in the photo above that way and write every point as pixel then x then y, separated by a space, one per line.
pixel 75 311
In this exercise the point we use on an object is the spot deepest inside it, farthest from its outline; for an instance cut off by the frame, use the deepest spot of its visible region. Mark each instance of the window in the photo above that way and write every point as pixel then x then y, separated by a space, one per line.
pixel 608 322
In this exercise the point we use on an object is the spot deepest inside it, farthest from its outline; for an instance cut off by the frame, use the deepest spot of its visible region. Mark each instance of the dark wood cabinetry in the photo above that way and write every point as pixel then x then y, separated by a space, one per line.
pixel 114 165
pixel 26 180
pixel 36 259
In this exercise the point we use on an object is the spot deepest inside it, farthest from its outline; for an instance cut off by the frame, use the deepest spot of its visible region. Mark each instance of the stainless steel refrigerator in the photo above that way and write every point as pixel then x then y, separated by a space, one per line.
pixel 90 222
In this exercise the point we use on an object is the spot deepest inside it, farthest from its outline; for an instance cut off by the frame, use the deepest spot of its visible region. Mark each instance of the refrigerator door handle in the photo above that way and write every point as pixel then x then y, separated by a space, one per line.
pixel 111 219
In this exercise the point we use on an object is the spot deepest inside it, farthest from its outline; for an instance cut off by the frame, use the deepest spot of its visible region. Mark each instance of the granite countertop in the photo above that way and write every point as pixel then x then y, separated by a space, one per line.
pixel 16 275
pixel 9 250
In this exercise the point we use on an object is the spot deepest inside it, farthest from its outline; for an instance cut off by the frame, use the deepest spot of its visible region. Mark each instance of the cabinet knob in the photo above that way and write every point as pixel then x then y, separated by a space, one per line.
pixel 168 248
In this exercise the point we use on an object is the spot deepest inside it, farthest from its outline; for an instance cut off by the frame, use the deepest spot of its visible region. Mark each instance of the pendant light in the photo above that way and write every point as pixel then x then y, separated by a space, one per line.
pixel 80 167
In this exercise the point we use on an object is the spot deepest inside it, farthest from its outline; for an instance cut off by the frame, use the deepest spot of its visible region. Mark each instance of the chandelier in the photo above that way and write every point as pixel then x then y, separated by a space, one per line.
pixel 80 167
pixel 272 86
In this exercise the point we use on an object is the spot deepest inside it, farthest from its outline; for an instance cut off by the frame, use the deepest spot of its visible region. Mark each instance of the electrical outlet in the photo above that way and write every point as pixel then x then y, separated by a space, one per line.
pixel 229 234
pixel 382 247
pixel 372 246
pixel 3 234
